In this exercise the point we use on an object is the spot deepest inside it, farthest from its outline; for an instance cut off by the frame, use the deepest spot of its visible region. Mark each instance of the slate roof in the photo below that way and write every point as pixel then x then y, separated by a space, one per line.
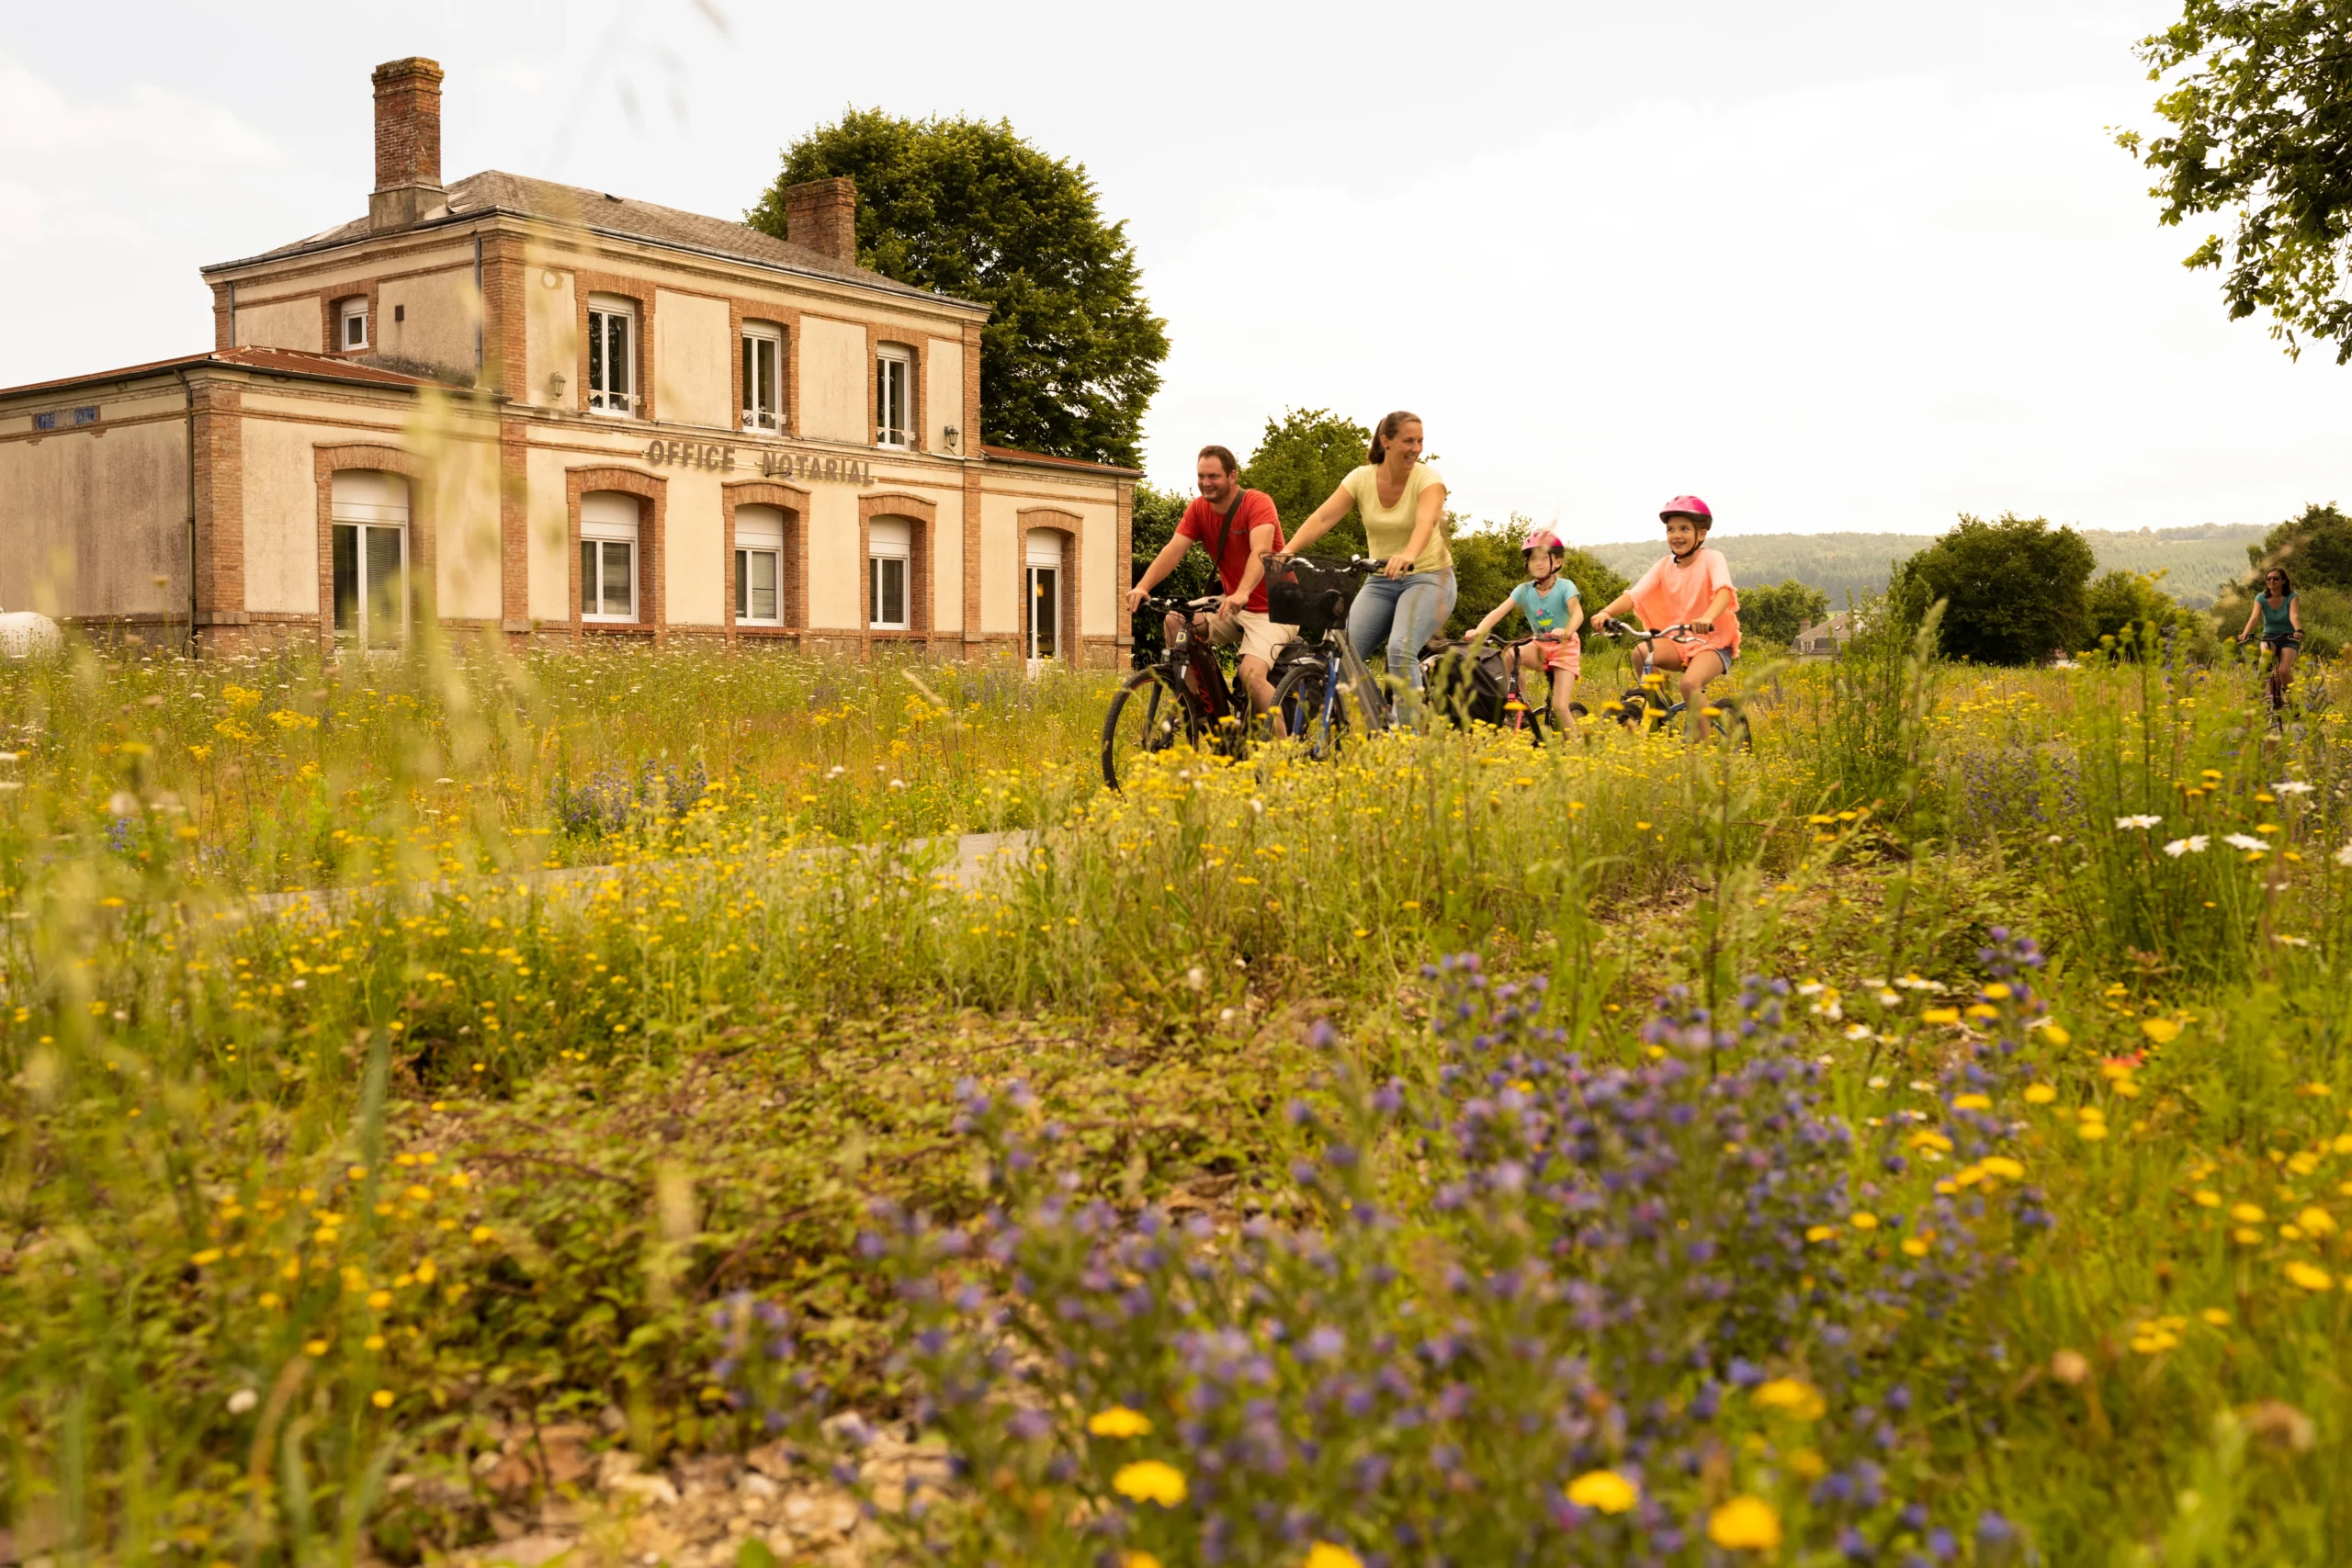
pixel 605 213
pixel 275 361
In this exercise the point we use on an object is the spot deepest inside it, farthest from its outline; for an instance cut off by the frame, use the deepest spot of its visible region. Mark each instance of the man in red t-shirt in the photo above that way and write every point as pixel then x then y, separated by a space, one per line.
pixel 1245 523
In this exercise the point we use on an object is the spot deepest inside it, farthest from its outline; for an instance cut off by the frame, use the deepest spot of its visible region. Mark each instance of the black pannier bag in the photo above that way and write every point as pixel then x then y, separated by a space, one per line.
pixel 1307 594
pixel 1465 686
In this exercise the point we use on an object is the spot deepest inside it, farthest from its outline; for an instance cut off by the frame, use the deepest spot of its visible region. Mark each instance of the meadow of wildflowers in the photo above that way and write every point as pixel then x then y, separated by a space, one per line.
pixel 1923 1139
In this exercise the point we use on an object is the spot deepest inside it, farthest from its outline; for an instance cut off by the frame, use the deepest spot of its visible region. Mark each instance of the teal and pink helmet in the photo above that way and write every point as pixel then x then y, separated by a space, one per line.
pixel 1689 506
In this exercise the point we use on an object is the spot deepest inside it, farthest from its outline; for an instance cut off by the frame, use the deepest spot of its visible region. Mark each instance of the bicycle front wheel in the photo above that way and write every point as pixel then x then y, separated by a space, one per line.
pixel 1725 719
pixel 1309 716
pixel 1146 718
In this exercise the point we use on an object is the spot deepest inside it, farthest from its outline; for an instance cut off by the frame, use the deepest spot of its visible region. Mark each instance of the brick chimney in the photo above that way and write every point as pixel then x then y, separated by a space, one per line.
pixel 408 144
pixel 822 214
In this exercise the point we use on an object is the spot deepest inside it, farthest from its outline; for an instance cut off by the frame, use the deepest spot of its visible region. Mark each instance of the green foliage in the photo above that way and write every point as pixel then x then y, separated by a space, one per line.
pixel 2016 589
pixel 1300 460
pixel 1777 613
pixel 1488 565
pixel 1157 512
pixel 2128 605
pixel 2260 101
pixel 1069 358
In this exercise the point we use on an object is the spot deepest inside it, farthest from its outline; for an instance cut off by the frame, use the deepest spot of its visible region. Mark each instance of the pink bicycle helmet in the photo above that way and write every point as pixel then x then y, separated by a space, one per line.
pixel 1543 539
pixel 1689 506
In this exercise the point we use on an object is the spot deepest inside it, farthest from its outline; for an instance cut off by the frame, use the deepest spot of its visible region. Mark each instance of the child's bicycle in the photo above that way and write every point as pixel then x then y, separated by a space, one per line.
pixel 1485 683
pixel 1645 706
pixel 1159 708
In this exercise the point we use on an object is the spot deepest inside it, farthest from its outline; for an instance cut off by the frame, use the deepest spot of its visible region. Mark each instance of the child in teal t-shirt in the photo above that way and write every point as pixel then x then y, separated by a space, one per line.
pixel 1554 613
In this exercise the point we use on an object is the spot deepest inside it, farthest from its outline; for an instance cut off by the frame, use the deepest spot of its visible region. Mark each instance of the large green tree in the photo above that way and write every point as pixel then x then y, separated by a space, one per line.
pixel 1300 460
pixel 1071 357
pixel 2015 588
pixel 1776 612
pixel 2260 96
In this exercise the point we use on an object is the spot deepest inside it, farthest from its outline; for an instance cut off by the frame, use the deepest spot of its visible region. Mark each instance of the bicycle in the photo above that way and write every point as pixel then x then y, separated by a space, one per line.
pixel 2304 693
pixel 1645 707
pixel 1158 707
pixel 1505 704
pixel 1320 667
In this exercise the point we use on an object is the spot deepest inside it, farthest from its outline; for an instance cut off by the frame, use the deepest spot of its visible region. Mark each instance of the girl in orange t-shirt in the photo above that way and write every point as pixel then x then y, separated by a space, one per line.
pixel 1690 586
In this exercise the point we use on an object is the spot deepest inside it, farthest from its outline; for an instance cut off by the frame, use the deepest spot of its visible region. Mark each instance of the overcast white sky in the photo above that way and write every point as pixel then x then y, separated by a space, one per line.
pixel 1830 266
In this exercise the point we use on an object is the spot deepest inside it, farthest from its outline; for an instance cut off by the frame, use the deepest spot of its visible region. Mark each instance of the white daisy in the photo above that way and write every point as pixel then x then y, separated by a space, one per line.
pixel 2139 821
pixel 2194 845
pixel 2291 786
pixel 2243 842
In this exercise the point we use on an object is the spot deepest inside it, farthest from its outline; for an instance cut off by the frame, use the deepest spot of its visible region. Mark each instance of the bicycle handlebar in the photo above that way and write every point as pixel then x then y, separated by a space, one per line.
pixel 1681 633
pixel 1154 604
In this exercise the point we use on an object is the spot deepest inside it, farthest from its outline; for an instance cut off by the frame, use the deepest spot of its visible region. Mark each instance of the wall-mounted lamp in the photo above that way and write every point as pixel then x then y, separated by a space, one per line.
pixel 954 439
pixel 555 388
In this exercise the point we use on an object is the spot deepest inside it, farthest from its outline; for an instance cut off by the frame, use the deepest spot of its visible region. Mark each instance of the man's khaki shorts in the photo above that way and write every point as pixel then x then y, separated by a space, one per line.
pixel 1260 638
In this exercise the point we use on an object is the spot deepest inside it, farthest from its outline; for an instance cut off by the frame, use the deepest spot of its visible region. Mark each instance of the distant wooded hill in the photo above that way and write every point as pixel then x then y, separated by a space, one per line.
pixel 2195 560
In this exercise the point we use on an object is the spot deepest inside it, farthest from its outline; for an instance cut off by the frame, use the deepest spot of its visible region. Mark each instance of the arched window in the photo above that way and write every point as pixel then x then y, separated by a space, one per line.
pixel 369 512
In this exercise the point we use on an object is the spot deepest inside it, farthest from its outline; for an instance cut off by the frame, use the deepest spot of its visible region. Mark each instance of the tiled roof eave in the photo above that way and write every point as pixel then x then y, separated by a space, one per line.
pixel 492 210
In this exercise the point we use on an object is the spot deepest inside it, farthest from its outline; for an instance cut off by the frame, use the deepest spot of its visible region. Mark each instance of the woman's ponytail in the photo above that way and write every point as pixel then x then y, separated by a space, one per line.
pixel 1386 432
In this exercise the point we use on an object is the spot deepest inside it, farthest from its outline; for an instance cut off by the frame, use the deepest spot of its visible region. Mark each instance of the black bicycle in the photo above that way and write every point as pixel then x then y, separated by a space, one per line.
pixel 1319 675
pixel 1484 684
pixel 1180 698
pixel 1646 705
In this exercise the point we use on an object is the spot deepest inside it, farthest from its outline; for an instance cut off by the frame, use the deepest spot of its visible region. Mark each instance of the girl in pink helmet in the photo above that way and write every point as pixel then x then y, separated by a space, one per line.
pixel 1690 586
pixel 1554 613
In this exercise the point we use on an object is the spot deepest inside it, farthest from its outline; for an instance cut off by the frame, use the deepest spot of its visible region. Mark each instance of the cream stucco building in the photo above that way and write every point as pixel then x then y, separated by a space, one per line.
pixel 562 415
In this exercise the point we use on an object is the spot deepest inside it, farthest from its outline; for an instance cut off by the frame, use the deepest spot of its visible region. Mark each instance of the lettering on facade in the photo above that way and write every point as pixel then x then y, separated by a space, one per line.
pixel 772 465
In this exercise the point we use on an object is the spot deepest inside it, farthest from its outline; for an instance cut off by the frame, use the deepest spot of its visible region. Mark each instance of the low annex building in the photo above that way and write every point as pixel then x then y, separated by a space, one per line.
pixel 562 415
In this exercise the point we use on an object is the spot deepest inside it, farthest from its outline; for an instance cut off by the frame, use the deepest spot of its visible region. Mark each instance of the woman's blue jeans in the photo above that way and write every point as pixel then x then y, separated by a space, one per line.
pixel 1406 612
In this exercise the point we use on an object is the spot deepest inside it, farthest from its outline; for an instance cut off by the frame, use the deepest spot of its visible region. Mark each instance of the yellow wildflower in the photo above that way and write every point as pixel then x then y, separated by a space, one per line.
pixel 1150 1481
pixel 1118 1422
pixel 2163 1030
pixel 1746 1524
pixel 1797 1397
pixel 1324 1554
pixel 1604 1491
pixel 2309 1276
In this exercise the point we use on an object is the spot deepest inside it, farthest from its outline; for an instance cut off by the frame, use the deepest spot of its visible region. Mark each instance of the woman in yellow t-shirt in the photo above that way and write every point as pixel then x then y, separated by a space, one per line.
pixel 1402 502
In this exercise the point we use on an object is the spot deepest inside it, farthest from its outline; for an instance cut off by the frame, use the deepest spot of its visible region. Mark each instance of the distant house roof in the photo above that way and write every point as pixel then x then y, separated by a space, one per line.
pixel 1015 455
pixel 273 361
pixel 1838 626
pixel 602 212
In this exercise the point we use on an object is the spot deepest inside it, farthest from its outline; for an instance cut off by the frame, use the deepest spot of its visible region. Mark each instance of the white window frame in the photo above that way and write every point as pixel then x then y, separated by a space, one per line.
pixel 894 393
pixel 603 312
pixel 1043 552
pixel 763 417
pixel 598 536
pixel 353 309
pixel 764 540
pixel 890 542
pixel 365 501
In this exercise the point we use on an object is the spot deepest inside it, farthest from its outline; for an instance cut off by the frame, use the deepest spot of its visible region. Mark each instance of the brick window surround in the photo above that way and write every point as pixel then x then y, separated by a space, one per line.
pixel 794 503
pixel 917 416
pixel 739 310
pixel 1072 528
pixel 331 304
pixel 922 517
pixel 326 461
pixel 652 510
pixel 637 292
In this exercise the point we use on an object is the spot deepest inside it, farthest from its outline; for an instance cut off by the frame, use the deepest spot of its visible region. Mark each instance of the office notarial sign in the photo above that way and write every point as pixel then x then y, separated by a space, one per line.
pixel 771 464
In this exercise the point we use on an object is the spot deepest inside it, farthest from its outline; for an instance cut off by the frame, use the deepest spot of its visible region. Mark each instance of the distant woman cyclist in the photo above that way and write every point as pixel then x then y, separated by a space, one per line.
pixel 1402 501
pixel 2282 629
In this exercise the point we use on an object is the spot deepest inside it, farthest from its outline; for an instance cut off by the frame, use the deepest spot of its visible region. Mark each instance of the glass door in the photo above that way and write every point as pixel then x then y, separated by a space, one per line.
pixel 1045 612
pixel 371 583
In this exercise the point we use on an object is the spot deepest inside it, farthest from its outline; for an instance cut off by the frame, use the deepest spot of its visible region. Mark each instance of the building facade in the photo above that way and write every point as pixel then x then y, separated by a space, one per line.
pixel 560 414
